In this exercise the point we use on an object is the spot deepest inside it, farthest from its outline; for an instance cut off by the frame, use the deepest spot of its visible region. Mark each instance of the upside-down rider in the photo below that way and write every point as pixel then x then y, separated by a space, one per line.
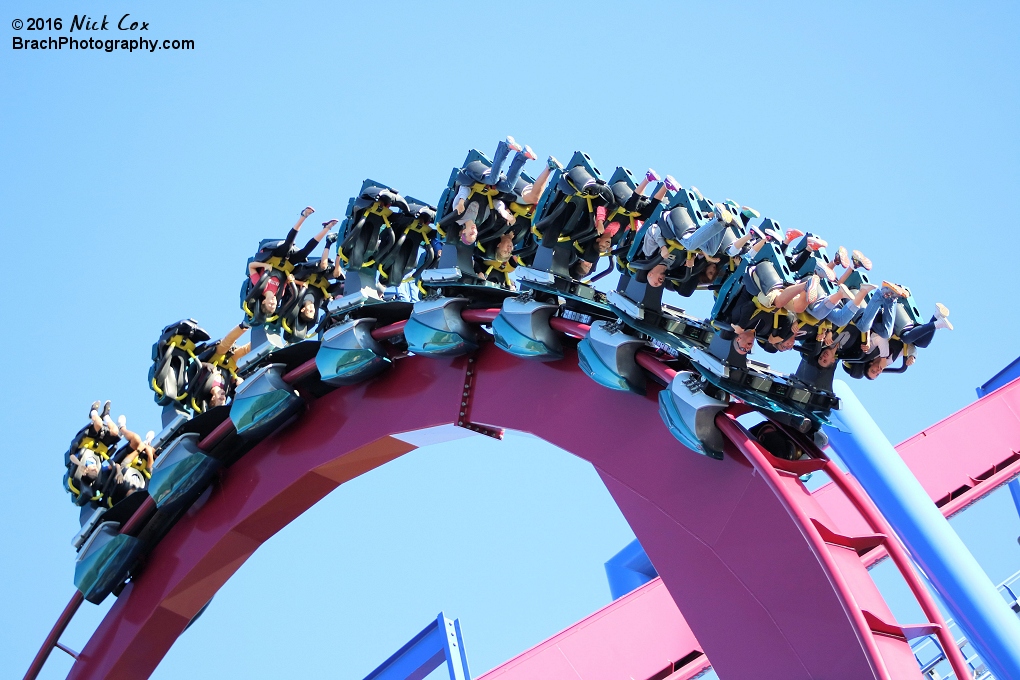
pixel 268 273
pixel 310 287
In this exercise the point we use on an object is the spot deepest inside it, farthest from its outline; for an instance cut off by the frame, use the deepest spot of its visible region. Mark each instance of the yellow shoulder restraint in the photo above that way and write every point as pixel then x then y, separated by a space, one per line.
pixel 418 226
pixel 375 209
pixel 141 465
pixel 485 190
pixel 525 210
pixel 503 268
pixel 180 342
pixel 95 445
pixel 631 215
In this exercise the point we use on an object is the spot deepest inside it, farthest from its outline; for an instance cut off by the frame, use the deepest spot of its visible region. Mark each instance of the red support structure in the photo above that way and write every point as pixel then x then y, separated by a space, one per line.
pixel 763 575
pixel 641 635
pixel 749 585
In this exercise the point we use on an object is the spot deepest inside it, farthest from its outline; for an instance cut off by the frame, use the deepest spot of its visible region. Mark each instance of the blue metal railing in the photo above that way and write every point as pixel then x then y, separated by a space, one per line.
pixel 932 659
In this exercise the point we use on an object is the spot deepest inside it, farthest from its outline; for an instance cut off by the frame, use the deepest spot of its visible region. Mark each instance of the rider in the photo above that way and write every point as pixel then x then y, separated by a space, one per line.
pixel 268 273
pixel 217 377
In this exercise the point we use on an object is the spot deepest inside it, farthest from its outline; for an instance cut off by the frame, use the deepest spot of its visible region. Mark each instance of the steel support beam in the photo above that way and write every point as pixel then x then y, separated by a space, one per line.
pixel 438 642
pixel 990 626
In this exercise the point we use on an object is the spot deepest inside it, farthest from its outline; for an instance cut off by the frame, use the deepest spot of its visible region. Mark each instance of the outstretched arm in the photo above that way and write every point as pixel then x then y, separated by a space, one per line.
pixel 224 345
pixel 258 267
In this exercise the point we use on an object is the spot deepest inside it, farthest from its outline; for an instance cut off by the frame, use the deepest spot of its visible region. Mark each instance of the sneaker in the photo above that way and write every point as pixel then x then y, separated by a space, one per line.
pixel 868 287
pixel 812 289
pixel 651 175
pixel 553 164
pixel 775 233
pixel 95 407
pixel 330 239
pixel 843 258
pixel 829 274
pixel 941 311
pixel 860 261
pixel 749 214
pixel 723 214
pixel 815 243
pixel 671 183
pixel 943 323
pixel 899 291
pixel 792 234
pixel 106 409
pixel 512 143
pixel 528 153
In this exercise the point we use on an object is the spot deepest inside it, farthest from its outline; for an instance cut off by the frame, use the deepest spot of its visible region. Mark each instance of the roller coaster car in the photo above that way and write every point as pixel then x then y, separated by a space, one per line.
pixel 818 377
pixel 607 356
pixel 566 210
pixel 578 296
pixel 358 247
pixel 181 473
pixel 348 353
pixel 470 173
pixel 263 403
pixel 669 325
pixel 786 398
pixel 436 328
pixel 456 270
pixel 281 268
pixel 689 406
pixel 412 232
pixel 104 554
pixel 456 266
pixel 640 306
pixel 172 365
pixel 522 328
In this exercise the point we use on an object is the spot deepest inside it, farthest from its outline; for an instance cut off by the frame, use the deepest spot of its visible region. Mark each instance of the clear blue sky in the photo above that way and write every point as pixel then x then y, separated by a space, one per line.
pixel 136 185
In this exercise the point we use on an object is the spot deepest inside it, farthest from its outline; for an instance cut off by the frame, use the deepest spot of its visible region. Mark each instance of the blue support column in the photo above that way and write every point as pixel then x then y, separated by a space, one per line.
pixel 1014 490
pixel 987 621
pixel 629 569
pixel 439 642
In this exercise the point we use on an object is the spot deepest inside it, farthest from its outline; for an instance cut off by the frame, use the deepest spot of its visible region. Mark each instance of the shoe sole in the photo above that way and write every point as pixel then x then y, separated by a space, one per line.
pixel 861 261
pixel 943 311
